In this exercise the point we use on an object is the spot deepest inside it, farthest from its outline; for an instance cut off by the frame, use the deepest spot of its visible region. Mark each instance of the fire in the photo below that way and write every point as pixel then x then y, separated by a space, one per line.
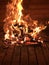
pixel 15 27
pixel 19 8
pixel 37 30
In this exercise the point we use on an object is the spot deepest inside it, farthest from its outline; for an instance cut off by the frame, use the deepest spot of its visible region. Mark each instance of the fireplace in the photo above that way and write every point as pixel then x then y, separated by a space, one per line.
pixel 25 39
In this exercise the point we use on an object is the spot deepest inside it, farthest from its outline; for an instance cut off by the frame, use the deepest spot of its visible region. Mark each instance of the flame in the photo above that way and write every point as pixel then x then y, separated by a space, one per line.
pixel 7 35
pixel 19 8
pixel 37 31
pixel 14 23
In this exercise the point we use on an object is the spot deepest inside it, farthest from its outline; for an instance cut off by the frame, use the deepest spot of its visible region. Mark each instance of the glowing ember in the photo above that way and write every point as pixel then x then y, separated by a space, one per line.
pixel 16 29
pixel 48 22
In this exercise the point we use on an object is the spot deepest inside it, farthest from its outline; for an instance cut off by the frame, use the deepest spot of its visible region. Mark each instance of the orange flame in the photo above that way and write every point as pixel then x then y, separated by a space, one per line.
pixel 19 8
pixel 14 16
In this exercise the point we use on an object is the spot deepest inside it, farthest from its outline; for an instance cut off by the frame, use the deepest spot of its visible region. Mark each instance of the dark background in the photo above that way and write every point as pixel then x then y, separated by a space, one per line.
pixel 38 9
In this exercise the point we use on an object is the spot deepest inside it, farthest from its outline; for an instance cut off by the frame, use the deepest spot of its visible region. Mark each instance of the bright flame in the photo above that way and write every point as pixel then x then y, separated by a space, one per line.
pixel 37 30
pixel 19 8
pixel 15 27
pixel 7 35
